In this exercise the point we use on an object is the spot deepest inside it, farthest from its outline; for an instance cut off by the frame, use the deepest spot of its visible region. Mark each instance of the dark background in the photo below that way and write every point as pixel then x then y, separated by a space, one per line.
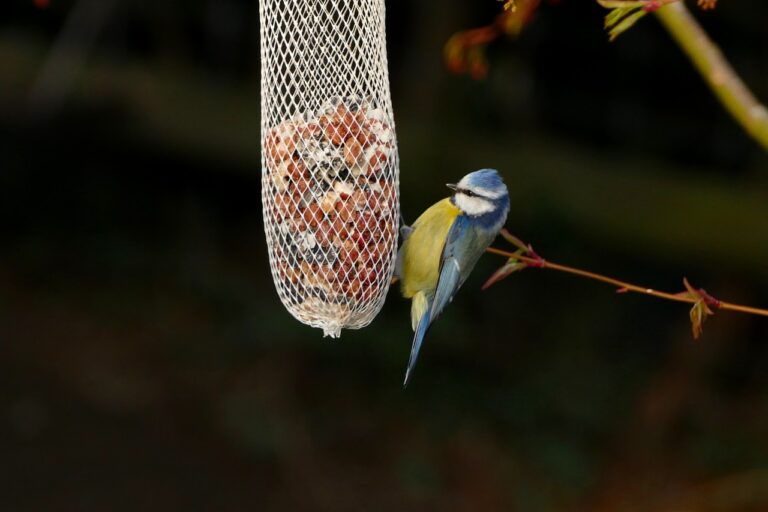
pixel 146 362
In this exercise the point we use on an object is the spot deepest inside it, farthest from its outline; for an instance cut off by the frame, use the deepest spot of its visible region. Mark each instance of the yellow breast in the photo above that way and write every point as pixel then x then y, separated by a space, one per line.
pixel 422 250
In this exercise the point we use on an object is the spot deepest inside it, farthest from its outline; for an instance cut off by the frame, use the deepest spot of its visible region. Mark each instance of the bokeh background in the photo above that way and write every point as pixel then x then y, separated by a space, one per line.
pixel 146 362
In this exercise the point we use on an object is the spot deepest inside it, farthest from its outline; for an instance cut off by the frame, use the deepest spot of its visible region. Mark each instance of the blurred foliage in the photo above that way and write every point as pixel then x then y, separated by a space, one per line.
pixel 147 364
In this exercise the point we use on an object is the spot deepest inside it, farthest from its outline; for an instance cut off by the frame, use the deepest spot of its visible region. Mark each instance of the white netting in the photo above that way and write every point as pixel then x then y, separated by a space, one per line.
pixel 329 159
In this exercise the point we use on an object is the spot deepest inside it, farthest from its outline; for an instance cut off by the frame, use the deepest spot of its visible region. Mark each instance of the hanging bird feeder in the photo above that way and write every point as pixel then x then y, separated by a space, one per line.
pixel 329 159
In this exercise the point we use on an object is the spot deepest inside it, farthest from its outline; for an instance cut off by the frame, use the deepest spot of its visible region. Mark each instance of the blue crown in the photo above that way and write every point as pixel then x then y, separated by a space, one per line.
pixel 486 178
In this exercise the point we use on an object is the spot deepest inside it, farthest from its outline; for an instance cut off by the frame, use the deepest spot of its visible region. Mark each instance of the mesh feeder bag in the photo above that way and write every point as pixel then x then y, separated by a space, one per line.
pixel 329 159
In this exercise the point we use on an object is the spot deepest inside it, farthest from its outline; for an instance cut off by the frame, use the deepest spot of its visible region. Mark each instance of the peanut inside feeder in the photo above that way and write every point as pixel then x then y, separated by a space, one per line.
pixel 334 207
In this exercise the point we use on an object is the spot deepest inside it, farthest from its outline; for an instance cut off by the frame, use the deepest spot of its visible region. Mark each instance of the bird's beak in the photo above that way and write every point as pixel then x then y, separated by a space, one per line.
pixel 452 186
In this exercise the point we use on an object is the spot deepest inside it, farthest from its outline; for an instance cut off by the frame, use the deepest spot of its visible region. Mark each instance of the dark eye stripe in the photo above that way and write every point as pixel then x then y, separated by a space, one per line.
pixel 469 193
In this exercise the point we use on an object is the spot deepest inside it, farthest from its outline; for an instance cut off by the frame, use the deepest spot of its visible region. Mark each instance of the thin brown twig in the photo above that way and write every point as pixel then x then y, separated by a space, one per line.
pixel 623 286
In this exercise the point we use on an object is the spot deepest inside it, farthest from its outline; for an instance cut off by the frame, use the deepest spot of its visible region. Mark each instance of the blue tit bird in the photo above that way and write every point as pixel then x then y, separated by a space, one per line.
pixel 443 246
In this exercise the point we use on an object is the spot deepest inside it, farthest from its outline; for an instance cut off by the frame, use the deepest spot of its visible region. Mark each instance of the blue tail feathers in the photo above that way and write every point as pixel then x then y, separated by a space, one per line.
pixel 418 338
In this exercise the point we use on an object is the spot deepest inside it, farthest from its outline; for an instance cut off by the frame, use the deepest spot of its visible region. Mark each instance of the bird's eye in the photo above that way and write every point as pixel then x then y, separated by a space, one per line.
pixel 469 193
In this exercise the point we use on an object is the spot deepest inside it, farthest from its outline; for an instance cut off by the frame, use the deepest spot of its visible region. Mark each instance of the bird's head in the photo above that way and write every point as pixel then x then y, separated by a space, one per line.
pixel 480 193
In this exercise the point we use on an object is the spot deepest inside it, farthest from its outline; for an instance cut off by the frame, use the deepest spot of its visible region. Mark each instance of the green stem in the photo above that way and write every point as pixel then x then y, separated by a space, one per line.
pixel 717 72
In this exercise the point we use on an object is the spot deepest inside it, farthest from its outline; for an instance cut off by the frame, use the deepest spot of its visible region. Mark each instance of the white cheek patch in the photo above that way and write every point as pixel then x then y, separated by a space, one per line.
pixel 473 206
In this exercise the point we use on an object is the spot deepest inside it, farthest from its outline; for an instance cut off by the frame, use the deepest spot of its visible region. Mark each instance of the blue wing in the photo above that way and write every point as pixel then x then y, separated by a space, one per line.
pixel 447 285
pixel 462 249
pixel 418 338
pixel 448 282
